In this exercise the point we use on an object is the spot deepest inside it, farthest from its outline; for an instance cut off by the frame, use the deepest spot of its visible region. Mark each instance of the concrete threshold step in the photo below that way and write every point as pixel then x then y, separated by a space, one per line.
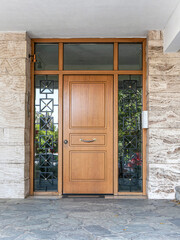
pixel 88 196
pixel 126 197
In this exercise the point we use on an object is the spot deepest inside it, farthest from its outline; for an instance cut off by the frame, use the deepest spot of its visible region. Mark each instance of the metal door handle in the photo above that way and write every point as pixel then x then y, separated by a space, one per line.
pixel 88 141
pixel 65 141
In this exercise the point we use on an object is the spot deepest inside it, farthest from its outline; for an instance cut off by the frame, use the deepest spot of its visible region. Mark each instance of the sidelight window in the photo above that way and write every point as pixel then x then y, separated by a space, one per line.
pixel 130 133
pixel 46 133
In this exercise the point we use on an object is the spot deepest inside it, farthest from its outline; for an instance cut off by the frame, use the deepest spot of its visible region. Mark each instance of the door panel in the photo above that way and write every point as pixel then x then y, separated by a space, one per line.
pixel 83 140
pixel 87 159
pixel 84 98
pixel 88 127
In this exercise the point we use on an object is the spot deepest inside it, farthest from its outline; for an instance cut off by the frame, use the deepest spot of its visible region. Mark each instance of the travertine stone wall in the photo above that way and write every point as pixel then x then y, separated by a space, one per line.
pixel 163 101
pixel 14 115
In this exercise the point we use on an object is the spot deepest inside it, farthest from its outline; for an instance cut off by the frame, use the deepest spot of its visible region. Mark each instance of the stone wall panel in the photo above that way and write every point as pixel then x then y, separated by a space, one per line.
pixel 167 119
pixel 155 48
pixel 12 136
pixel 164 174
pixel 12 49
pixel 163 178
pixel 163 101
pixel 12 154
pixel 26 187
pixel 164 84
pixel 156 191
pixel 163 66
pixel 164 146
pixel 12 172
pixel 155 35
pixel 13 66
pixel 12 189
pixel 12 110
pixel 14 117
pixel 14 84
pixel 16 36
pixel 27 153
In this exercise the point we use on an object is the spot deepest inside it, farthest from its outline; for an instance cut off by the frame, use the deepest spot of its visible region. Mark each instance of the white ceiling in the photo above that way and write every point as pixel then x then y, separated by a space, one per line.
pixel 85 18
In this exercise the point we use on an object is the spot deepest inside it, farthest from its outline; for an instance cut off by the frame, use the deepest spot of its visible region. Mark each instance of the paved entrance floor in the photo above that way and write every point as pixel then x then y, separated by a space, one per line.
pixel 86 219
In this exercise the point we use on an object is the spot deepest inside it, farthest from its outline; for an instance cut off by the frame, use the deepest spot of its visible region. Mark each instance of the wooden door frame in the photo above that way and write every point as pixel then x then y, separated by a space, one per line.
pixel 115 72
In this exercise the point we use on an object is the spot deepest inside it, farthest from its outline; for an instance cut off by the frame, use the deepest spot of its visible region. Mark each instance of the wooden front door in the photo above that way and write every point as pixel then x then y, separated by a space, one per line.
pixel 88 134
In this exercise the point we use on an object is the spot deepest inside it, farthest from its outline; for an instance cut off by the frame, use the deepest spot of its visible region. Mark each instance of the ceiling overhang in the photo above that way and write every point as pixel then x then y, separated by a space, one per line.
pixel 91 19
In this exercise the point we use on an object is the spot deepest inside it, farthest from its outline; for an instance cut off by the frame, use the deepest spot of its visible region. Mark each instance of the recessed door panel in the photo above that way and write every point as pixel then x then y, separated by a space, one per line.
pixel 82 165
pixel 84 98
pixel 87 140
pixel 88 134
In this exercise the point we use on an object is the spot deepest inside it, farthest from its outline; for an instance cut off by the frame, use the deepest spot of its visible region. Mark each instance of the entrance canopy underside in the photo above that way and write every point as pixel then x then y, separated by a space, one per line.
pixel 102 18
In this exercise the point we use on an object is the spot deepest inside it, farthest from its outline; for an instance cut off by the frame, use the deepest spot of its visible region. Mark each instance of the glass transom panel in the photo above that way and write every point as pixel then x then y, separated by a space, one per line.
pixel 88 56
pixel 46 56
pixel 130 56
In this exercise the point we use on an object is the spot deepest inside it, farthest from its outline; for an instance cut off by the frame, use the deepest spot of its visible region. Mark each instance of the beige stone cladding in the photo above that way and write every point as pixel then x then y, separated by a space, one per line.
pixel 14 114
pixel 163 101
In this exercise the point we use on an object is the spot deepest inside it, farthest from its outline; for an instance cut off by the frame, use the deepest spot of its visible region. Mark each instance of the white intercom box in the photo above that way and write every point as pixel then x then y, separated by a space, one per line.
pixel 144 119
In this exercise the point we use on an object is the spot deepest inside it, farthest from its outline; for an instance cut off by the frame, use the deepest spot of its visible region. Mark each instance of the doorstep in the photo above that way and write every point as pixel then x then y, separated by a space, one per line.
pixel 87 196
pixel 126 197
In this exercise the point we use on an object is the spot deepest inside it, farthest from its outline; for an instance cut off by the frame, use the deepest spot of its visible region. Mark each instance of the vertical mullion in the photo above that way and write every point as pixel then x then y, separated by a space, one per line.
pixel 115 119
pixel 60 56
pixel 116 56
pixel 144 108
pixel 60 132
pixel 60 121
pixel 144 74
pixel 115 134
pixel 31 168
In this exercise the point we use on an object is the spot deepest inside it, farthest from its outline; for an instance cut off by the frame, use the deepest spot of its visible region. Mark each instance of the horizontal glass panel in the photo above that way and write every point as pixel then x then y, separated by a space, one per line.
pixel 130 56
pixel 46 133
pixel 130 133
pixel 46 56
pixel 93 56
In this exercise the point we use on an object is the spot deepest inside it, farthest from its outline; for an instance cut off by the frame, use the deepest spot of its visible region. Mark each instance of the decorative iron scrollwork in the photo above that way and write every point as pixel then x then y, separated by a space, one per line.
pixel 129 135
pixel 46 87
pixel 46 134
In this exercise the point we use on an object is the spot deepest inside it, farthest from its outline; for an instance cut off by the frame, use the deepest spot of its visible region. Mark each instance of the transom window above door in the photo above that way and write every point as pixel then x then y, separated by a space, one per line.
pixel 88 56
pixel 91 56
pixel 47 56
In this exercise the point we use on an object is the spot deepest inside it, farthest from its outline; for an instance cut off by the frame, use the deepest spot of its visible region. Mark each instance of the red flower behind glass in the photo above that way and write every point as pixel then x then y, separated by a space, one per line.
pixel 135 161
